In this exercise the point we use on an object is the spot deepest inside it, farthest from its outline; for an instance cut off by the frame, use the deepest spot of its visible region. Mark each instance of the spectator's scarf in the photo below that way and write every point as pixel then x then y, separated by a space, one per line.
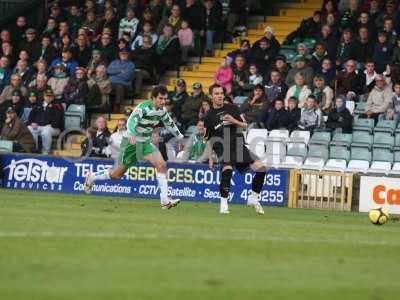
pixel 163 43
pixel 318 93
pixel 297 91
pixel 173 21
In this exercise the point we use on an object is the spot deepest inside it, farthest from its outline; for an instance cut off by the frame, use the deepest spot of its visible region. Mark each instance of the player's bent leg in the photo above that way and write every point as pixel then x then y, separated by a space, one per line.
pixel 159 163
pixel 224 188
pixel 115 173
pixel 257 184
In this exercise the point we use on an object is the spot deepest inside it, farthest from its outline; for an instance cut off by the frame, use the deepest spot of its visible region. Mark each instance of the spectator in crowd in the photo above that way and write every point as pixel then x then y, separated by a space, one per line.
pixel 204 109
pixel 390 31
pixel 269 35
pixel 308 28
pixel 224 75
pixel 281 66
pixel 275 87
pixel 15 84
pixel 300 66
pixel 50 30
pixel 120 73
pixel 194 151
pixel 363 45
pixel 167 50
pixel 348 18
pixel 323 94
pixel 370 75
pixel 114 143
pixel 99 139
pixel 146 31
pixel 254 105
pixel 346 49
pixel 293 114
pixel 379 98
pixel 40 86
pixel 364 21
pixel 299 90
pixel 178 98
pixel 58 81
pixel 41 70
pixel 350 82
pixel 213 17
pixel 30 44
pixel 81 51
pixel 8 50
pixel 107 49
pixel 46 121
pixel 129 24
pixel 16 102
pixel 24 71
pixel 99 89
pixel 174 20
pixel 240 76
pixel 29 105
pixel 66 60
pixel 395 61
pixel 383 51
pixel 110 21
pixel 277 117
pixel 74 19
pixel 318 57
pixel 311 115
pixel 94 62
pixel 263 55
pixel 388 13
pixel 16 131
pixel 244 50
pixel 190 109
pixel 328 72
pixel 329 40
pixel 255 77
pixel 395 104
pixel 340 118
pixel 76 90
pixel 186 40
pixel 5 72
pixel 144 57
pixel 303 51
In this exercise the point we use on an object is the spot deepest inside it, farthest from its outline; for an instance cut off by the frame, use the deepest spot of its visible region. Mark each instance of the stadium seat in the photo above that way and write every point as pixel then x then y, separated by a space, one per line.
pixel 396 146
pixel 356 165
pixel 388 126
pixel 382 160
pixel 395 168
pixel 320 138
pixel 259 134
pixel 289 54
pixel 341 139
pixel 310 43
pixel 275 153
pixel 350 105
pixel 256 141
pixel 339 153
pixel 300 136
pixel 361 124
pixel 383 140
pixel 362 139
pixel 360 108
pixel 338 158
pixel 6 146
pixel 361 154
pixel 360 160
pixel 278 135
pixel 297 149
pixel 75 116
pixel 316 157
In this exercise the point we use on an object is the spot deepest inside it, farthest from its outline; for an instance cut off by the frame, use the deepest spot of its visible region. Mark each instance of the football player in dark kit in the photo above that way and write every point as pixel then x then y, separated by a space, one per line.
pixel 225 138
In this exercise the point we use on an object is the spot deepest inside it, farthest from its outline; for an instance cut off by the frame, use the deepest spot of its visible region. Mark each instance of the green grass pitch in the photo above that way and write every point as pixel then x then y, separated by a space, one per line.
pixel 56 246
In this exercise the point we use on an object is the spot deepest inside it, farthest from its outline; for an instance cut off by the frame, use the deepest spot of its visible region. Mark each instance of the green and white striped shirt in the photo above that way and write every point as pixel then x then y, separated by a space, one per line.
pixel 145 118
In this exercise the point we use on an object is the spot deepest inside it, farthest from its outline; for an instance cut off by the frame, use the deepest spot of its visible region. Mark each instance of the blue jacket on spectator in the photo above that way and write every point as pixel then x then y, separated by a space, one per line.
pixel 121 72
pixel 70 65
pixel 382 54
pixel 5 76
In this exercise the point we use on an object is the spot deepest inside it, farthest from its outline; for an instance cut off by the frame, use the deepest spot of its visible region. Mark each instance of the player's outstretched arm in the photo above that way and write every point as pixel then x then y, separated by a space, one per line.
pixel 132 124
pixel 234 121
pixel 171 126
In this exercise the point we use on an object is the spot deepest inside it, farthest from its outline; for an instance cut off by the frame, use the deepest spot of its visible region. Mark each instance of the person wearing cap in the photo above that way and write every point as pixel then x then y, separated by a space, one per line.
pixel 300 65
pixel 128 24
pixel 5 72
pixel 379 99
pixel 16 131
pixel 15 84
pixel 58 80
pixel 46 121
pixel 269 35
pixel 56 13
pixel 178 97
pixel 30 44
pixel 76 90
pixel 67 60
pixel 16 102
pixel 191 107
pixel 120 73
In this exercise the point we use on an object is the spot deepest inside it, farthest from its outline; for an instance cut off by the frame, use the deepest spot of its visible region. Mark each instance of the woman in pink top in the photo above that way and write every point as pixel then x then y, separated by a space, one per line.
pixel 185 35
pixel 224 75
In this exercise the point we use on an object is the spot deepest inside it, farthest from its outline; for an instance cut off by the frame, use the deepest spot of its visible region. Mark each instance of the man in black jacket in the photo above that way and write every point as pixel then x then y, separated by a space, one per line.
pixel 46 121
pixel 213 17
pixel 340 117
pixel 277 117
pixel 143 57
pixel 46 50
pixel 30 44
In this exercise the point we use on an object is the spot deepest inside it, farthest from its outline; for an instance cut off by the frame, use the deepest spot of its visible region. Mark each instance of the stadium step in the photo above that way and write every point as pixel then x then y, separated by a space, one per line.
pixel 309 5
pixel 298 12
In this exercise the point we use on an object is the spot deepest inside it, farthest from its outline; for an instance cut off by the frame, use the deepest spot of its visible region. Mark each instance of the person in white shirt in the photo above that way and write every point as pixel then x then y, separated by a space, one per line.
pixel 113 148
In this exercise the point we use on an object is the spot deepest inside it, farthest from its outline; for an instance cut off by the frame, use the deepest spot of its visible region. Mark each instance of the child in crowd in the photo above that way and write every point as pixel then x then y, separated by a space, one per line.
pixel 224 75
pixel 186 40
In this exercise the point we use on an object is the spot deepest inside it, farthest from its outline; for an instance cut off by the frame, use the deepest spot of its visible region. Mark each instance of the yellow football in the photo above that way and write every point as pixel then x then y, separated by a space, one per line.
pixel 378 216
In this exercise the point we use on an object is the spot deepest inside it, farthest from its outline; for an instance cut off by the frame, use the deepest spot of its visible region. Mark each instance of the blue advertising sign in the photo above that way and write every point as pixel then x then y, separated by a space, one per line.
pixel 186 181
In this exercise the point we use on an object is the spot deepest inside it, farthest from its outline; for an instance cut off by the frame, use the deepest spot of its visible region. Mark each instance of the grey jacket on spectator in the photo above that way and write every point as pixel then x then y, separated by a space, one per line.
pixel 310 118
pixel 379 99
pixel 395 104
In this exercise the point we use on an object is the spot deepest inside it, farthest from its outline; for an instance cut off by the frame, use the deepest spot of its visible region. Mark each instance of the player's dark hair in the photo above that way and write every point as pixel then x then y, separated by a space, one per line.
pixel 280 100
pixel 215 86
pixel 159 90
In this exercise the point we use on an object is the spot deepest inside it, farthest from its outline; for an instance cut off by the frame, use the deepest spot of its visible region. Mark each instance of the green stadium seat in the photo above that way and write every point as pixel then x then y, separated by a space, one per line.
pixel 342 139
pixel 339 153
pixel 6 146
pixel 318 151
pixel 362 139
pixel 383 140
pixel 75 116
pixel 397 156
pixel 296 150
pixel 385 126
pixel 361 154
pixel 320 138
pixel 310 43
pixel 361 124
pixel 381 154
pixel 360 108
pixel 290 54
pixel 396 142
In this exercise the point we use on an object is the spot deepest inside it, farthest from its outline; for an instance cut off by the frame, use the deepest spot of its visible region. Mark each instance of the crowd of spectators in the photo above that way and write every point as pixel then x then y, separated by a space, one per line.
pixel 89 53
